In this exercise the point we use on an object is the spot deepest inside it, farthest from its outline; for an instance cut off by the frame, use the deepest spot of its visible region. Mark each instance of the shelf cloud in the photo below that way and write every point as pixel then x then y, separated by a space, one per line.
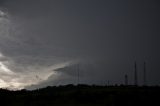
pixel 39 37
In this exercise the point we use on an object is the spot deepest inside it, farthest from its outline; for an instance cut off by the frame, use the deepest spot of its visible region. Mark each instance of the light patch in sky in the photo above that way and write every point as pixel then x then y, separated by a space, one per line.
pixel 11 79
pixel 2 13
pixel 5 69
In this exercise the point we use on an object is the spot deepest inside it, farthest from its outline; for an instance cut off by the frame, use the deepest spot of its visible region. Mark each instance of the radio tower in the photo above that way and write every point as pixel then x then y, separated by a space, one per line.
pixel 135 75
pixel 78 74
pixel 126 80
pixel 144 74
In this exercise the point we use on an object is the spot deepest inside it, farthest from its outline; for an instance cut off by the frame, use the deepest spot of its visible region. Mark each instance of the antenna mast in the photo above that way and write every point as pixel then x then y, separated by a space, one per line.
pixel 135 75
pixel 77 74
pixel 126 80
pixel 144 74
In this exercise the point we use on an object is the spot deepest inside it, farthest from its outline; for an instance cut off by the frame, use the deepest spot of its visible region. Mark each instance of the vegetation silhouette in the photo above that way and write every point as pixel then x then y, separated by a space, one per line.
pixel 82 95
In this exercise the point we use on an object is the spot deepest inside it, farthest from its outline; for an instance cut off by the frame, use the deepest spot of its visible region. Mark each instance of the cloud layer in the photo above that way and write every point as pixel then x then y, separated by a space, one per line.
pixel 105 37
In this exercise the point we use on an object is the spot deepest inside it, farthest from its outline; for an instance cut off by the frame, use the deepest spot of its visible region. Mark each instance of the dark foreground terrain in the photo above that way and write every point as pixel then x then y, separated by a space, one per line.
pixel 83 95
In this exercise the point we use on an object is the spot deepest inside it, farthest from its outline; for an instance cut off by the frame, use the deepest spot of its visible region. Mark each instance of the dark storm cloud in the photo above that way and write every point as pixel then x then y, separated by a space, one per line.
pixel 109 34
pixel 2 1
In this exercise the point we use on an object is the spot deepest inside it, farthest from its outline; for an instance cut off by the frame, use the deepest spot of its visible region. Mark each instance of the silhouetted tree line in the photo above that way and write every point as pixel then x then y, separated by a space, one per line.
pixel 83 95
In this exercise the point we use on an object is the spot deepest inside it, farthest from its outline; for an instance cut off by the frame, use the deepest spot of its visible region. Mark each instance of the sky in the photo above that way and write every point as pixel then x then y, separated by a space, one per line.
pixel 45 42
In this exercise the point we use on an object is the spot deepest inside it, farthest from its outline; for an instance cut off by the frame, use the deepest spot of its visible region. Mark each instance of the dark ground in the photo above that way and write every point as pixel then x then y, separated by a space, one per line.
pixel 83 95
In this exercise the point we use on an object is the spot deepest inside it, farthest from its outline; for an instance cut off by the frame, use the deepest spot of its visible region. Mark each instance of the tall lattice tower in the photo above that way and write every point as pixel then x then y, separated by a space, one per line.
pixel 77 74
pixel 126 80
pixel 135 75
pixel 144 75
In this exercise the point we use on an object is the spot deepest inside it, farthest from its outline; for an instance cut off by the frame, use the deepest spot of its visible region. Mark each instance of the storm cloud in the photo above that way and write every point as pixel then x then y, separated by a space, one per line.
pixel 39 37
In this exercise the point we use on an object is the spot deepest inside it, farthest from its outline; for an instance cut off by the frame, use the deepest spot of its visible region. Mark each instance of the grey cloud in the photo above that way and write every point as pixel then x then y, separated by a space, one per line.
pixel 111 34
